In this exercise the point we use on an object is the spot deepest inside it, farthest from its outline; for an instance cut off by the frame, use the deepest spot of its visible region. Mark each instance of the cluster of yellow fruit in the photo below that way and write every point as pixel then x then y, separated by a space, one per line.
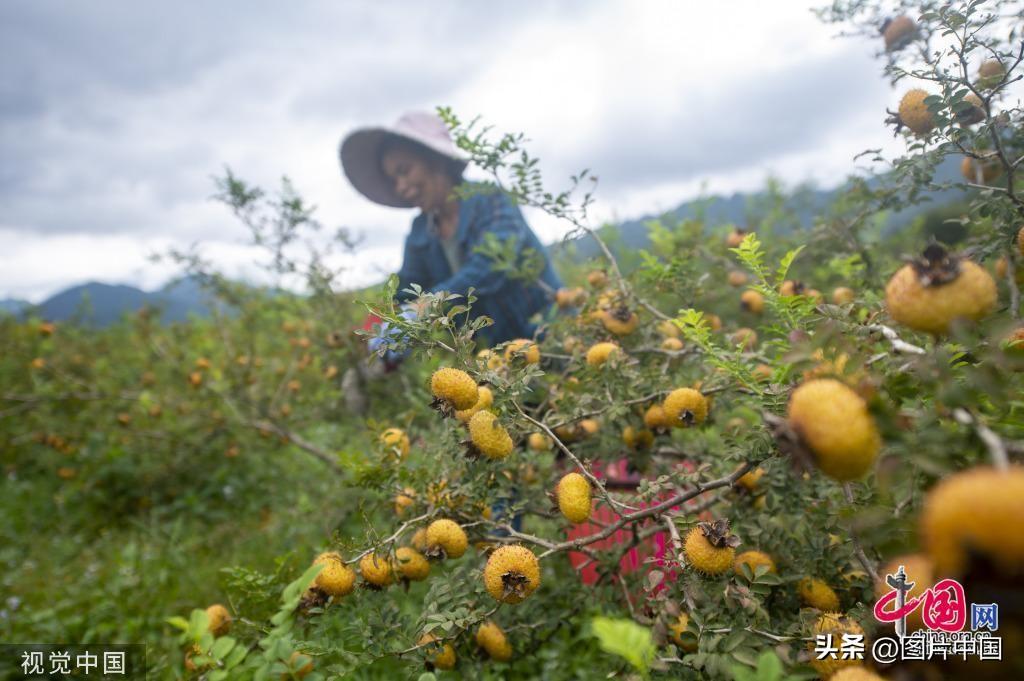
pixel 681 408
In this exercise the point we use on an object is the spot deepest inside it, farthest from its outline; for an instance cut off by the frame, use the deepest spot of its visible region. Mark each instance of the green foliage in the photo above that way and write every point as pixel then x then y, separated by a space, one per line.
pixel 627 639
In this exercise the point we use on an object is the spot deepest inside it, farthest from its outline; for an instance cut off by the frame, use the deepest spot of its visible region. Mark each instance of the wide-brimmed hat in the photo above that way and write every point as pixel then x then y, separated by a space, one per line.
pixel 360 153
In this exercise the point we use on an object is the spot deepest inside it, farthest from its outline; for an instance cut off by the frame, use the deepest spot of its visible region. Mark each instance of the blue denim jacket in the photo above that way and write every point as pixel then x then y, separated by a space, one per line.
pixel 509 302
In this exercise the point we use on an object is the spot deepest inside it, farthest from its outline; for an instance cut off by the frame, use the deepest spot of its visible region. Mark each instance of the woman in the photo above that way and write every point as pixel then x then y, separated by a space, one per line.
pixel 414 164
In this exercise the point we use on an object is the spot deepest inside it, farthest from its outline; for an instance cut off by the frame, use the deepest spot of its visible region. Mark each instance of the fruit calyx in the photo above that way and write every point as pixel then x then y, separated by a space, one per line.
pixel 717 534
pixel 936 266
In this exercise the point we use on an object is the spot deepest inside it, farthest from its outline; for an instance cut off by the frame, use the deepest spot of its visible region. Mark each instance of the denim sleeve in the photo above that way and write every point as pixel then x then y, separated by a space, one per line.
pixel 412 272
pixel 499 216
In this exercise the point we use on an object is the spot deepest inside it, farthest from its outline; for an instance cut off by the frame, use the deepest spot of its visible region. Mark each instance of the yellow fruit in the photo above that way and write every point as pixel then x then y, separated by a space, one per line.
pixel 411 564
pixel 488 436
pixel 447 536
pixel 573 493
pixel 47 328
pixel 763 372
pixel 855 674
pixel 843 295
pixel 685 407
pixel 571 343
pixel 570 297
pixel 833 421
pixel 619 321
pixel 490 359
pixel 395 441
pixel 597 279
pixel 745 338
pixel 523 348
pixel 737 278
pixel 220 619
pixel 539 442
pixel 735 238
pixel 667 329
pixel 512 573
pixel 981 171
pixel 914 112
pixel 754 559
pixel 686 642
pixel 817 594
pixel 1020 241
pixel 710 548
pixel 974 114
pixel 836 624
pixel 750 479
pixel 937 289
pixel 588 427
pixel 419 539
pixel 303 671
pixel 752 301
pixel 336 579
pixel 376 570
pixel 404 500
pixel 672 344
pixel 195 379
pixel 990 73
pixel 976 514
pixel 492 639
pixel 484 401
pixel 455 387
pixel 655 418
pixel 919 570
pixel 440 655
pixel 714 321
pixel 898 32
pixel 637 439
pixel 599 353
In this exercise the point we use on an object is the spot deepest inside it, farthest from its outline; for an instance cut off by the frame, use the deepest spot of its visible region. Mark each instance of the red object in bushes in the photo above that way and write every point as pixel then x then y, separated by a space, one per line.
pixel 654 546
pixel 370 321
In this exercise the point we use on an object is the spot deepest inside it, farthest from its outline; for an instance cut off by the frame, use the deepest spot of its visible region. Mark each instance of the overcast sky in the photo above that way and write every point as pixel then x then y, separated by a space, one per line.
pixel 114 116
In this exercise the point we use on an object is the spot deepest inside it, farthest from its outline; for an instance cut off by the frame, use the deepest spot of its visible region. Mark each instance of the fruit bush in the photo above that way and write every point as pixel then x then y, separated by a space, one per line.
pixel 714 449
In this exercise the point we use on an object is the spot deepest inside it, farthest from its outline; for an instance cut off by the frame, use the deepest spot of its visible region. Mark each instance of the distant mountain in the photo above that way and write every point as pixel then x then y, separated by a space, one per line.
pixel 99 304
pixel 13 306
pixel 734 209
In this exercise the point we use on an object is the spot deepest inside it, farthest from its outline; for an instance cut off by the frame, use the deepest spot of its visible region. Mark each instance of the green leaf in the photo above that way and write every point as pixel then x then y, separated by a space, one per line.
pixel 222 646
pixel 295 589
pixel 627 639
pixel 786 263
pixel 198 622
pixel 178 623
pixel 769 667
pixel 427 676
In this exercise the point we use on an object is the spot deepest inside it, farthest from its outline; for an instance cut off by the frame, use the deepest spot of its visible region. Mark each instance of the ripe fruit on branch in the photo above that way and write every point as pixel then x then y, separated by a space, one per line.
pixel 336 579
pixel 597 279
pixel 843 295
pixel 446 538
pixel 752 301
pixel 753 559
pixel 570 297
pixel 672 345
pixel 484 401
pixel 619 320
pixel 637 438
pixel 492 639
pixel 376 570
pixel 454 388
pixel 817 594
pixel 833 422
pixel 219 618
pixel 990 74
pixel 710 548
pixel 655 418
pixel 522 348
pixel 685 407
pixel 439 655
pixel 735 238
pixel 686 642
pixel 599 353
pixel 395 441
pixel 975 113
pixel 984 170
pixel 411 564
pixel 539 442
pixel 488 436
pixel 512 573
pixel 836 624
pixel 573 494
pixel 749 480
pixel 914 113
pixel 973 519
pixel 938 288
pixel 737 278
pixel 898 32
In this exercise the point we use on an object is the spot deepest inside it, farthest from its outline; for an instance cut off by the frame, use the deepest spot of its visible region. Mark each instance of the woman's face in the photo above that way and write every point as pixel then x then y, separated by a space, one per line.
pixel 415 180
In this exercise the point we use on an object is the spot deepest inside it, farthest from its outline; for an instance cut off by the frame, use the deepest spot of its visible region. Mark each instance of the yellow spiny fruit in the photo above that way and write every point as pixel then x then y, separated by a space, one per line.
pixel 990 73
pixel 488 436
pixel 376 570
pixel 833 421
pixel 898 32
pixel 855 674
pixel 686 642
pixel 448 536
pixel 710 548
pixel 404 500
pixel 440 655
pixel 395 440
pixel 411 564
pixel 597 279
pixel 919 570
pixel 484 401
pixel 336 579
pixel 754 559
pixel 752 301
pixel 817 594
pixel 637 438
pixel 749 480
pixel 914 113
pixel 220 619
pixel 835 624
pixel 570 297
pixel 929 294
pixel 454 387
pixel 685 407
pixel 492 639
pixel 843 295
pixel 619 321
pixel 655 418
pixel 589 427
pixel 573 493
pixel 419 539
pixel 672 344
pixel 539 442
pixel 490 359
pixel 976 514
pixel 512 573
pixel 599 353
pixel 523 348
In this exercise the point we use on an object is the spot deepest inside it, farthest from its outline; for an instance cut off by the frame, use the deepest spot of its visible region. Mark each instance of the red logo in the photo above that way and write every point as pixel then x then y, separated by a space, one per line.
pixel 943 606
